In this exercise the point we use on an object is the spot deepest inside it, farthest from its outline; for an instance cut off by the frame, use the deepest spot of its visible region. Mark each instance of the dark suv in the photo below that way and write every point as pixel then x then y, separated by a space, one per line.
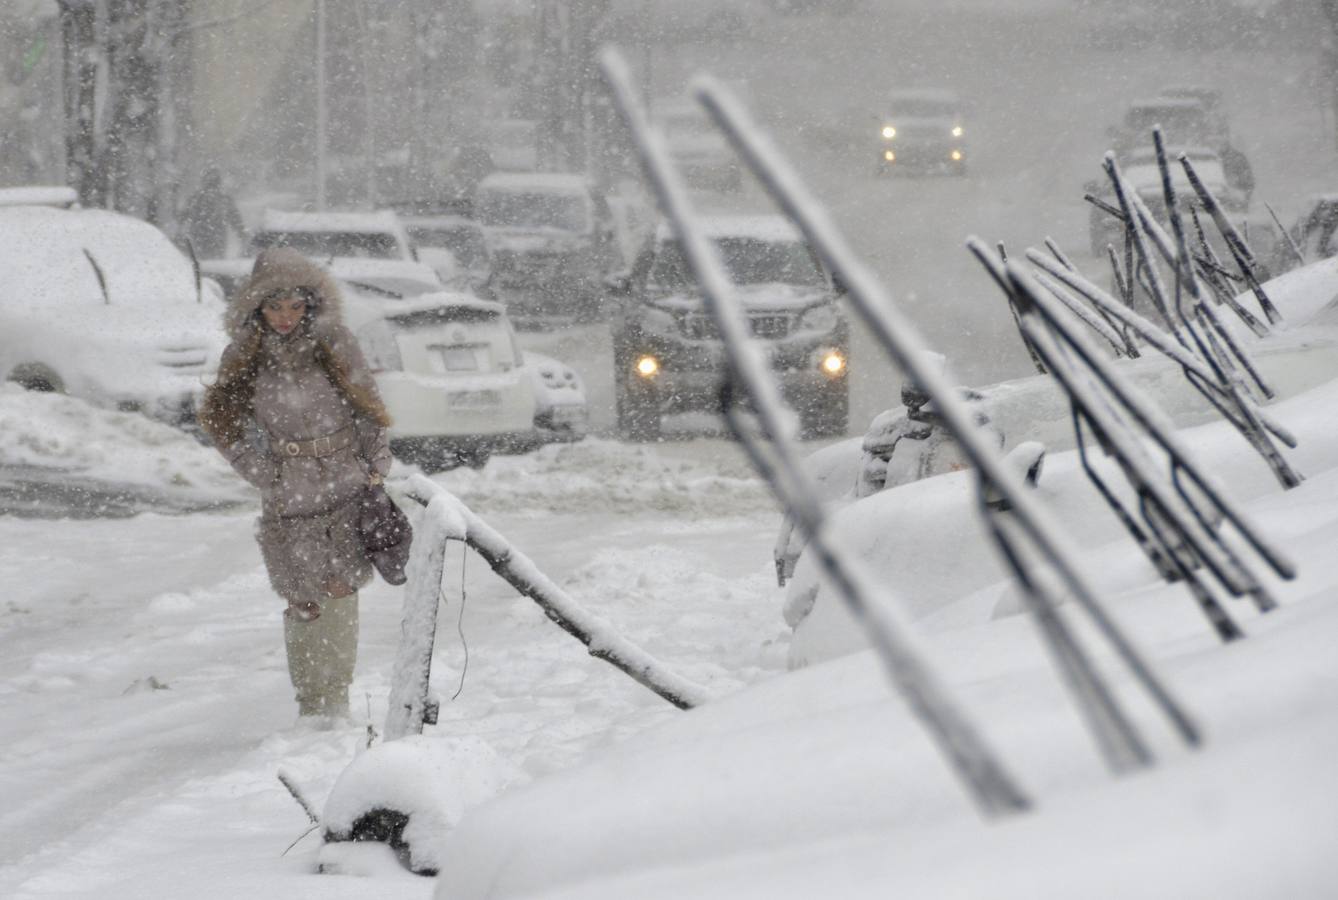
pixel 668 357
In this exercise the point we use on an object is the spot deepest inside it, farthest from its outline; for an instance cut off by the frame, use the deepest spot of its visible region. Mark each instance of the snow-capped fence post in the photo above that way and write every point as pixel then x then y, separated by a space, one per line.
pixel 902 343
pixel 410 705
pixel 446 518
pixel 991 785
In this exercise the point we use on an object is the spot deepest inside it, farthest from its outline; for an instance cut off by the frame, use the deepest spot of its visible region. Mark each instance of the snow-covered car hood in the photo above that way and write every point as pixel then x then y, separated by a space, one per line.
pixel 754 297
pixel 549 240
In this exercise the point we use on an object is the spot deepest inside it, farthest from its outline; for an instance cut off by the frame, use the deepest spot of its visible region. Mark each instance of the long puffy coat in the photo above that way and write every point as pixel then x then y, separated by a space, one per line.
pixel 308 530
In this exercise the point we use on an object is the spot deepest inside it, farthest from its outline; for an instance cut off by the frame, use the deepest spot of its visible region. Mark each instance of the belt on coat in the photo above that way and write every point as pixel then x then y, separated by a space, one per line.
pixel 326 445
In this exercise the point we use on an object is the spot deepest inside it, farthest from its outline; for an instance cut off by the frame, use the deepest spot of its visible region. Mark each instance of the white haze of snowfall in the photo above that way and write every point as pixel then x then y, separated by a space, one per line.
pixel 146 706
pixel 148 709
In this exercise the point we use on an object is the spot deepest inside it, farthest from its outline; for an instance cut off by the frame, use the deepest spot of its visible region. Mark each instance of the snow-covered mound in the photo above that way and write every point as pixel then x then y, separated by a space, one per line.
pixel 51 436
pixel 819 783
pixel 607 476
pixel 925 541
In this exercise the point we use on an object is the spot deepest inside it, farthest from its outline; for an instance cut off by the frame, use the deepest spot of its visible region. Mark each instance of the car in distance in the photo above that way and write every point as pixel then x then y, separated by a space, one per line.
pixel 668 356
pixel 551 239
pixel 327 235
pixel 103 307
pixel 454 245
pixel 451 373
pixel 699 151
pixel 923 130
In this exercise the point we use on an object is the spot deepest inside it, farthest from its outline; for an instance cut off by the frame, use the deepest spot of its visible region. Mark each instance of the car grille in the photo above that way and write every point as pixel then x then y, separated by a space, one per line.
pixel 768 326
pixel 185 359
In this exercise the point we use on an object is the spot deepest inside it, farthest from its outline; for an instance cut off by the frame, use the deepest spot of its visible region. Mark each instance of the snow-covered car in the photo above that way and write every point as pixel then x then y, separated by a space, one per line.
pixel 1140 170
pixel 325 235
pixel 922 130
pixel 822 782
pixel 1183 119
pixel 384 277
pixel 551 240
pixel 452 375
pixel 57 196
pixel 927 532
pixel 667 353
pixel 699 151
pixel 454 246
pixel 513 145
pixel 102 306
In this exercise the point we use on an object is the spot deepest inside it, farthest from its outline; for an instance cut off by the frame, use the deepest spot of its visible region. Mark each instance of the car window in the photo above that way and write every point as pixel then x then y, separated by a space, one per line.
pixel 532 209
pixel 1181 124
pixel 748 261
pixel 363 245
pixel 465 244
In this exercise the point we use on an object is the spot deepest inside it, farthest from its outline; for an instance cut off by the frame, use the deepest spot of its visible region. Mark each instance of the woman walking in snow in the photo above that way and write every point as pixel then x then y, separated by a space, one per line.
pixel 295 411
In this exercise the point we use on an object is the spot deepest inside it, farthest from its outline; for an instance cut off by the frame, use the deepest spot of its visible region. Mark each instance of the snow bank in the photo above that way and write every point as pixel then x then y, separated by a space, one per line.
pixel 607 476
pixel 816 784
pixel 54 436
pixel 925 540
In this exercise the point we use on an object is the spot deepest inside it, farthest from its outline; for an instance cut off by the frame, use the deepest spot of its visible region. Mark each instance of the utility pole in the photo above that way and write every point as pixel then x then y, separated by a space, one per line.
pixel 322 112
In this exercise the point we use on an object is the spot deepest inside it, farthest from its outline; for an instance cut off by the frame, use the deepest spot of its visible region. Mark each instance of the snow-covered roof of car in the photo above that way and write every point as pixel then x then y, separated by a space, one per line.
pixel 39 195
pixel 354 268
pixel 548 182
pixel 1146 175
pixel 761 227
pixel 377 221
pixel 444 220
pixel 43 261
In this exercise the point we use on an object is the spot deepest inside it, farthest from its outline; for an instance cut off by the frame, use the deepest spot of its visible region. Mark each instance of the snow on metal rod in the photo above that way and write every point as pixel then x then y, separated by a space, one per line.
pixel 1155 337
pixel 1147 480
pixel 1240 250
pixel 456 521
pixel 408 707
pixel 902 342
pixel 1159 426
pixel 957 738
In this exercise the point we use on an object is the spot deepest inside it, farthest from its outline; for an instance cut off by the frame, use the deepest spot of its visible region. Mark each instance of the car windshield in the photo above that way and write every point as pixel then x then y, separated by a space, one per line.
pixel 465 244
pixel 1183 123
pixel 924 108
pixel 748 260
pixel 686 125
pixel 533 209
pixel 361 244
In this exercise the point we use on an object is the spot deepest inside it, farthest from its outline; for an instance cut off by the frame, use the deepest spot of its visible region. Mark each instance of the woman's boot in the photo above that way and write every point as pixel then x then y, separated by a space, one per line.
pixel 321 655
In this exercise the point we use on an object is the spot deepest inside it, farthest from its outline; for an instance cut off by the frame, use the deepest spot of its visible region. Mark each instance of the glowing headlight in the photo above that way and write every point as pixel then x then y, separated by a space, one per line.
pixel 889 156
pixel 889 132
pixel 833 363
pixel 647 366
pixel 819 318
pixel 957 131
pixel 956 156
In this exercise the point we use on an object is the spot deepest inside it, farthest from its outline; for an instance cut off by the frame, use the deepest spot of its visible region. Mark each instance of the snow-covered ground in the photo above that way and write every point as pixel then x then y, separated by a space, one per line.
pixel 142 679
pixel 143 691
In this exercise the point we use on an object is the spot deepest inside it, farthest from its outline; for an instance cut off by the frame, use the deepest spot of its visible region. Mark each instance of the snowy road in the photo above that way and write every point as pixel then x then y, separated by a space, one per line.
pixel 144 659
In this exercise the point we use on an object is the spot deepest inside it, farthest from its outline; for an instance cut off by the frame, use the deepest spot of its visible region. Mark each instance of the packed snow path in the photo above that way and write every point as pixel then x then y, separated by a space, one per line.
pixel 143 679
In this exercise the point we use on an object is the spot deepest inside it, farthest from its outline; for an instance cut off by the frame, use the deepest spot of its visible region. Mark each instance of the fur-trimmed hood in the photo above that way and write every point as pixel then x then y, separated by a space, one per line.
pixel 284 269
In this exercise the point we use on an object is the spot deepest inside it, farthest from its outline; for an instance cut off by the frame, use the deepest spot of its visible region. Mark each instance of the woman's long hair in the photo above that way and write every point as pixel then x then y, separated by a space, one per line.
pixel 228 403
